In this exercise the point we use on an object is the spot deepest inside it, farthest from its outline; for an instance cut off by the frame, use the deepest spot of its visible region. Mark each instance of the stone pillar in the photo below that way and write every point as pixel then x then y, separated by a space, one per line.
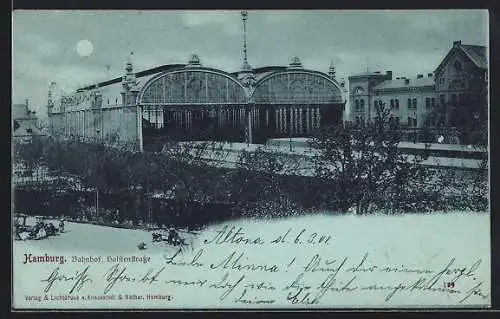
pixel 276 121
pixel 318 118
pixel 139 127
pixel 301 129
pixel 308 120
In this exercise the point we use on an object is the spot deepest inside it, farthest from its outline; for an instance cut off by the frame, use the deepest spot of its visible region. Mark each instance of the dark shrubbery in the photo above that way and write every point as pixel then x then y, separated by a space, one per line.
pixel 175 183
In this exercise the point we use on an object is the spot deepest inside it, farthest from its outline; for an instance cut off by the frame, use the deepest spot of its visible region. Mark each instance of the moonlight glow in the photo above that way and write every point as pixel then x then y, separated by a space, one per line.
pixel 84 48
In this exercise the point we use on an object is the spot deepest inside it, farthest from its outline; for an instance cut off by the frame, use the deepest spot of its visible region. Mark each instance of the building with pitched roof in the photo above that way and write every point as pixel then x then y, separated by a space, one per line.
pixel 24 123
pixel 462 86
pixel 454 95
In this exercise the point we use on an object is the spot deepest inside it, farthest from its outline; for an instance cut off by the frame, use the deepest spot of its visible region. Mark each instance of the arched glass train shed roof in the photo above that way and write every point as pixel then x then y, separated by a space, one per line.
pixel 195 85
pixel 201 85
pixel 181 84
pixel 297 87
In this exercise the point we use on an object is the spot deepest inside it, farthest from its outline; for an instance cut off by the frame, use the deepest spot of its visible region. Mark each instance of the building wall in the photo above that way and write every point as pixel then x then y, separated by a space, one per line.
pixel 397 102
pixel 110 126
pixel 97 115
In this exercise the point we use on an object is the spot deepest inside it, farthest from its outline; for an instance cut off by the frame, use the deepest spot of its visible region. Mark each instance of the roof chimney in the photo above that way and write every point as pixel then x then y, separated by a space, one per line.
pixel 419 76
pixel 429 75
pixel 407 81
pixel 457 43
pixel 389 74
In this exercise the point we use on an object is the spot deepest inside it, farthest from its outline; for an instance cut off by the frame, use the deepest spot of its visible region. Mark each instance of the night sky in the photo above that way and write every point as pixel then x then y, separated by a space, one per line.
pixel 406 42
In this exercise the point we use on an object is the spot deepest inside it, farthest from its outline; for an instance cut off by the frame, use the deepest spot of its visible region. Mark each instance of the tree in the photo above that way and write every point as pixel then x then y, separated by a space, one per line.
pixel 362 168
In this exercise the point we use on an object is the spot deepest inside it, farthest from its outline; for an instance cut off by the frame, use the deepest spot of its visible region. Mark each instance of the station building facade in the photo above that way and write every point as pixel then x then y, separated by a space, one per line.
pixel 194 102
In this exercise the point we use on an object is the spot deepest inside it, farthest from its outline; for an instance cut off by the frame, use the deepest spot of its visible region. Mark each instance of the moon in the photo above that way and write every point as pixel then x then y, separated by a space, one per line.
pixel 84 48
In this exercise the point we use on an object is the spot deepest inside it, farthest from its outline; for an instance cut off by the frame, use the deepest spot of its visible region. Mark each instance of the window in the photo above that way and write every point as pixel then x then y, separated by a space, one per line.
pixel 409 121
pixel 427 103
pixel 362 105
pixel 28 130
pixel 376 105
pixel 415 122
pixel 457 85
pixel 397 104
pixel 441 100
pixel 433 102
pixel 457 65
pixel 414 103
pixel 409 103
pixel 356 102
pixel 392 103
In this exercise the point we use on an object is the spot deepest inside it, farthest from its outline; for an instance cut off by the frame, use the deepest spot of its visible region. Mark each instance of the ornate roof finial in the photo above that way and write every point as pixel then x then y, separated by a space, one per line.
pixel 49 94
pixel 129 79
pixel 194 61
pixel 331 70
pixel 295 63
pixel 129 67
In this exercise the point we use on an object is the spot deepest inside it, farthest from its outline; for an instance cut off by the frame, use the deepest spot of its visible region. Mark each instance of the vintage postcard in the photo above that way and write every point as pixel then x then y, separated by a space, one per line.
pixel 250 159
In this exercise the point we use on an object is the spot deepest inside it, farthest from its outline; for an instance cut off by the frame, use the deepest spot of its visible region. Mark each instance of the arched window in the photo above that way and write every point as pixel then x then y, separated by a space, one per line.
pixel 362 105
pixel 356 102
